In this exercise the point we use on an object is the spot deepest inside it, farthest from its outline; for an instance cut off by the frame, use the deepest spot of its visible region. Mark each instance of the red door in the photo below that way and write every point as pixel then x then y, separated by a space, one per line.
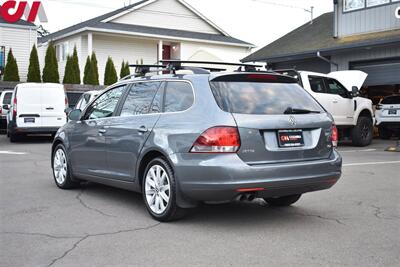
pixel 166 52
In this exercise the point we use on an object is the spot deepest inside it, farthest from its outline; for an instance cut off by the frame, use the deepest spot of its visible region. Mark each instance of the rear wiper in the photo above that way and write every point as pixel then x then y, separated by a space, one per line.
pixel 290 110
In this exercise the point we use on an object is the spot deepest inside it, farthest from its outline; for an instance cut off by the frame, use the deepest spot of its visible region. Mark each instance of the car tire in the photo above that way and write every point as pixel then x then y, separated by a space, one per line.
pixel 14 137
pixel 363 132
pixel 61 169
pixel 384 133
pixel 159 189
pixel 282 201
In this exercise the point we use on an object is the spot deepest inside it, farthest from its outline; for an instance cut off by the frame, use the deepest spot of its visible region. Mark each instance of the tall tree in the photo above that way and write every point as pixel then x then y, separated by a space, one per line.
pixel 11 70
pixel 87 73
pixel 34 68
pixel 69 72
pixel 50 70
pixel 75 67
pixel 110 74
pixel 95 69
pixel 124 70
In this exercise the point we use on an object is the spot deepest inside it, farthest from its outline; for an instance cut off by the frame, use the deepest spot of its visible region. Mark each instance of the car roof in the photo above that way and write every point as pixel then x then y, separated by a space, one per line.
pixel 40 85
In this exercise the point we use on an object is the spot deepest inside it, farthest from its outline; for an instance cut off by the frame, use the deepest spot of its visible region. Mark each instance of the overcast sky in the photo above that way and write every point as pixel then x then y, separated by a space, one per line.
pixel 256 21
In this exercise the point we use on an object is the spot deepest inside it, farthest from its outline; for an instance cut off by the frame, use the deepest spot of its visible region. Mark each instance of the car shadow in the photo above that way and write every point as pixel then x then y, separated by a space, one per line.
pixel 35 139
pixel 235 214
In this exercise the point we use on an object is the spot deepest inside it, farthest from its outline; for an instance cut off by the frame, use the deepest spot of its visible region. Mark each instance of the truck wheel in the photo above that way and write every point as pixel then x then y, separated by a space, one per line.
pixel 362 133
pixel 384 133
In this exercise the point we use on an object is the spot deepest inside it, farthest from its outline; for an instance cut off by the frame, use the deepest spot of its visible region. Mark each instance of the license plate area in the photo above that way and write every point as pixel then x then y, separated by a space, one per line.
pixel 290 138
pixel 392 112
pixel 29 120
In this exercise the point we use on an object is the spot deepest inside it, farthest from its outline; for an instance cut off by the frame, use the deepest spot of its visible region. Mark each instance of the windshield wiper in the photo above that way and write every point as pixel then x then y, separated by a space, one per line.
pixel 290 110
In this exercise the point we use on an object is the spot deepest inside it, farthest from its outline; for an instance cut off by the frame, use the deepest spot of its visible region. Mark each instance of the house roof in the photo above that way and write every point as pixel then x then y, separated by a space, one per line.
pixel 19 23
pixel 309 39
pixel 101 23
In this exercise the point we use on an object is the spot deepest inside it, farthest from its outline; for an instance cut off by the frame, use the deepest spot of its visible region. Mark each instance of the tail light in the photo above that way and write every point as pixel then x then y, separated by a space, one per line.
pixel 66 102
pixel 334 136
pixel 1 110
pixel 378 107
pixel 14 110
pixel 217 140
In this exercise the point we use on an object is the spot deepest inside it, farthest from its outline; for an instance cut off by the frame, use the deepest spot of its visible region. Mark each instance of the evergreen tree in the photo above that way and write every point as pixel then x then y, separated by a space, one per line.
pixel 110 74
pixel 75 68
pixel 50 70
pixel 124 70
pixel 69 72
pixel 11 69
pixel 87 75
pixel 34 68
pixel 94 69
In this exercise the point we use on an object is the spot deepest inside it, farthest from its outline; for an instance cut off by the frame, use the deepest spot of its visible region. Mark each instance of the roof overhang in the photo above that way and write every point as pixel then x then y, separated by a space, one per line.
pixel 145 35
pixel 18 26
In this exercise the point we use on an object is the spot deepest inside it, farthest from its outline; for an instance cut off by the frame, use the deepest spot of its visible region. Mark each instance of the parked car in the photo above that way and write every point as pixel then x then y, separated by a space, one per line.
pixel 36 108
pixel 387 116
pixel 85 99
pixel 186 139
pixel 5 101
pixel 338 93
pixel 73 98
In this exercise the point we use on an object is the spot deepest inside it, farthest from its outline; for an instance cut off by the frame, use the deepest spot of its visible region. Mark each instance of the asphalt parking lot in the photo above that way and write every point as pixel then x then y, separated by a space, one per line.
pixel 356 223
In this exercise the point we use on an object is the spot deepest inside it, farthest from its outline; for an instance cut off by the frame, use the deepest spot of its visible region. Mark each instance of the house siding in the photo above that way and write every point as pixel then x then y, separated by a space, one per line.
pixel 167 14
pixel 21 41
pixel 374 19
pixel 344 59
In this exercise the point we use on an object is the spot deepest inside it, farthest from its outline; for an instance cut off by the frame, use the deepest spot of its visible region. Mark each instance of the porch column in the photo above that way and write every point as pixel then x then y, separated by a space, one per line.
pixel 90 43
pixel 160 51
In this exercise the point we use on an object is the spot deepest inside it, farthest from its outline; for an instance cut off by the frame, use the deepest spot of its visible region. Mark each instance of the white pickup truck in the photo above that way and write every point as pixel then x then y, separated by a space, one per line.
pixel 338 94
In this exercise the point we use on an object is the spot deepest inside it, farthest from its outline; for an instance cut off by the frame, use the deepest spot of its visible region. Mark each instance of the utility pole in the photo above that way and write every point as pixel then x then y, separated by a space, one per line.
pixel 311 11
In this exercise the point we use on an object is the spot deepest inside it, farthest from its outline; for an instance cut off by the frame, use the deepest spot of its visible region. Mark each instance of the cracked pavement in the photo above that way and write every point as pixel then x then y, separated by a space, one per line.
pixel 356 223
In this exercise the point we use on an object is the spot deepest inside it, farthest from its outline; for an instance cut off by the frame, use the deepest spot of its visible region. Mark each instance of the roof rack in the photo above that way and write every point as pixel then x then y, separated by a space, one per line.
pixel 177 65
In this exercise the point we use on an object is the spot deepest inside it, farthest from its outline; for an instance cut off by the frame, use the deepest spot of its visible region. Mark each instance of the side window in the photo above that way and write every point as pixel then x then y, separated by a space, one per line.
pixel 179 96
pixel 156 106
pixel 317 84
pixel 7 99
pixel 334 87
pixel 139 98
pixel 105 105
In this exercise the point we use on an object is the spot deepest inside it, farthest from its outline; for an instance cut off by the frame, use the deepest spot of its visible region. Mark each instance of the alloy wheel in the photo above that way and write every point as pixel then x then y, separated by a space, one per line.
pixel 60 166
pixel 157 189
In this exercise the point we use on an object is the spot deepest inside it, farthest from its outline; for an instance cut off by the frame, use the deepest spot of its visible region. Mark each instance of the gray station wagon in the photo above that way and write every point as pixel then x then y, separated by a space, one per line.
pixel 184 139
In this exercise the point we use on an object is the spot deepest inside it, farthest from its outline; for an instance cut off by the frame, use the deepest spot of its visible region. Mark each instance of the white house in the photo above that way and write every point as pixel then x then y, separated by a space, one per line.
pixel 151 30
pixel 20 37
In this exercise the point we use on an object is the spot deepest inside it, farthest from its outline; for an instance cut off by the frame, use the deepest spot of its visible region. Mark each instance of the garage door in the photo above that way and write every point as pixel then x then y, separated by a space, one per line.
pixel 380 72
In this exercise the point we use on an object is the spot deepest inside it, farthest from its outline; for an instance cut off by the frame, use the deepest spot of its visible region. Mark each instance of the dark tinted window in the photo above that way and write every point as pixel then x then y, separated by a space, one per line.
pixel 391 100
pixel 262 98
pixel 7 99
pixel 179 96
pixel 334 87
pixel 105 105
pixel 139 98
pixel 317 84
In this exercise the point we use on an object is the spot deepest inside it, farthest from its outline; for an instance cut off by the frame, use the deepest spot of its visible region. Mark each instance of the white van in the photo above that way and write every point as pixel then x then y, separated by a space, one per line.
pixel 36 108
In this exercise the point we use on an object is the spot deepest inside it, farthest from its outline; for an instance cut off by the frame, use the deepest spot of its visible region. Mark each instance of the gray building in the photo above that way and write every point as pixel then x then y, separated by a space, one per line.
pixel 359 34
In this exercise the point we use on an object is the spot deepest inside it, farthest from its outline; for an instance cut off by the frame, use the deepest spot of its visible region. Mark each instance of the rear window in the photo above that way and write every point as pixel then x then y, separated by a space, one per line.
pixel 7 99
pixel 391 100
pixel 262 98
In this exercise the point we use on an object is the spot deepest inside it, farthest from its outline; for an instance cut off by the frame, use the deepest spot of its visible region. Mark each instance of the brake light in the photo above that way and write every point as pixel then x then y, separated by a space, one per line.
pixel 14 114
pixel 66 102
pixel 217 140
pixel 262 77
pixel 334 136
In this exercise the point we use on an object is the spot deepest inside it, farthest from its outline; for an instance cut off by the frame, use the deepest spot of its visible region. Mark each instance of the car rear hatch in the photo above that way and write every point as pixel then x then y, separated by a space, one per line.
pixel 278 121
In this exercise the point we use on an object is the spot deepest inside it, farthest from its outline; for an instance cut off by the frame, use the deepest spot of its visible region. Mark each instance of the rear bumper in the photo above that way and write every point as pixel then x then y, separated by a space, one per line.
pixel 13 129
pixel 218 178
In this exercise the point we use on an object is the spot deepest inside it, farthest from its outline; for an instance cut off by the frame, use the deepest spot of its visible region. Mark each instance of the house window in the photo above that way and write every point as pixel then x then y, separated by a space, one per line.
pixel 350 5
pixel 62 52
pixel 2 58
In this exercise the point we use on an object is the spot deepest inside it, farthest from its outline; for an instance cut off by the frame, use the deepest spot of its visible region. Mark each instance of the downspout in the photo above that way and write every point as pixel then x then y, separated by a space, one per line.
pixel 327 60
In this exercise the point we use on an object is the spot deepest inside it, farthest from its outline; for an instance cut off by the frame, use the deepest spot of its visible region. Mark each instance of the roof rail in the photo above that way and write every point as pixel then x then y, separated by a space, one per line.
pixel 177 65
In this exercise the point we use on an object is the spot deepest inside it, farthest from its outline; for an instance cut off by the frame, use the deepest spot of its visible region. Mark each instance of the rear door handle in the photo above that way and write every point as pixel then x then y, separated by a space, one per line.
pixel 335 101
pixel 50 108
pixel 102 131
pixel 142 129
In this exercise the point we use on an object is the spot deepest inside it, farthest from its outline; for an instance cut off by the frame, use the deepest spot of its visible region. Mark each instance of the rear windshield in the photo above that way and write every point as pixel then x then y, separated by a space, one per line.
pixel 391 100
pixel 7 99
pixel 262 98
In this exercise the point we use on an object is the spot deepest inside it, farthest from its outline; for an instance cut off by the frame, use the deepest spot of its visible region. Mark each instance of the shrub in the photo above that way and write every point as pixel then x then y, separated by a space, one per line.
pixel 34 68
pixel 50 70
pixel 69 72
pixel 76 72
pixel 110 74
pixel 125 71
pixel 11 69
pixel 87 73
pixel 94 69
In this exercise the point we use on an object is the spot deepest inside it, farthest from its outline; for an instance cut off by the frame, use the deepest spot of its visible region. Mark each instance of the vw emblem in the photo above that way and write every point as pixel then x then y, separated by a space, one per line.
pixel 292 121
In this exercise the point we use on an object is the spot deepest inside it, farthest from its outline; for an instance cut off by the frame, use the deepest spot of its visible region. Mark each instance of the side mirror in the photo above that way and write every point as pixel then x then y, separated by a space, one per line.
pixel 6 107
pixel 75 115
pixel 354 91
pixel 68 110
